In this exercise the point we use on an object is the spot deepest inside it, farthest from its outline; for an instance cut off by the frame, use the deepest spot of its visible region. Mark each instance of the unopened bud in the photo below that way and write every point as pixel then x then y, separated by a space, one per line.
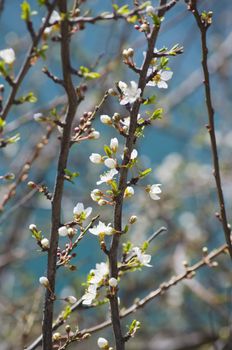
pixel 133 219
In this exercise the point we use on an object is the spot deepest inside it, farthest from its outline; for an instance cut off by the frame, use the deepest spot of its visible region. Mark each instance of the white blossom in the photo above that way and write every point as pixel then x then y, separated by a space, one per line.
pixel 108 176
pixel 95 158
pixel 114 144
pixel 110 163
pixel 101 229
pixel 80 212
pixel 44 281
pixel 7 55
pixel 130 94
pixel 55 17
pixel 63 231
pixel 89 295
pixel 102 343
pixel 154 191
pixel 160 78
pixel 98 274
pixel 144 259
pixel 96 195
pixel 32 227
pixel 105 119
pixel 44 243
pixel 129 192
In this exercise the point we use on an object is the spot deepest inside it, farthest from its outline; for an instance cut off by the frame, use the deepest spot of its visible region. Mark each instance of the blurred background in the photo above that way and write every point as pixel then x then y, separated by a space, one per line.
pixel 193 315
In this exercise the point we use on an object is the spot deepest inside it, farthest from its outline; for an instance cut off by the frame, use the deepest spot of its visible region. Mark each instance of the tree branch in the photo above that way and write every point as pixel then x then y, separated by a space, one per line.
pixel 73 102
pixel 203 26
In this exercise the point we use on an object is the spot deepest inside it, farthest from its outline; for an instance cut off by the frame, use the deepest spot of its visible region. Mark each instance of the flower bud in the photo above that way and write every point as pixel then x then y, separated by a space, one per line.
pixel 129 192
pixel 150 10
pixel 71 299
pixel 32 227
pixel 110 163
pixel 44 281
pixel 114 144
pixel 94 135
pixel 63 231
pixel 101 202
pixel 95 158
pixel 113 282
pixel 133 219
pixel 103 343
pixel 105 119
pixel 116 117
pixel 56 336
pixel 130 52
pixel 44 243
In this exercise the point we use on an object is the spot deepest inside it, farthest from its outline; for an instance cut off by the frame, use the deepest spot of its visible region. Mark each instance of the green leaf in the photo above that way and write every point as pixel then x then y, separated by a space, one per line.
pixel 92 75
pixel 108 151
pixel 115 7
pixel 41 2
pixel 145 172
pixel 150 100
pixel 67 311
pixel 123 10
pixel 26 11
pixel 144 246
pixel 156 20
pixel 2 123
pixel 157 114
pixel 163 62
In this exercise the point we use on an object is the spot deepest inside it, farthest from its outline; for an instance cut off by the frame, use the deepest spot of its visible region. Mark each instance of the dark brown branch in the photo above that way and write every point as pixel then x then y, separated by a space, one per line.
pixel 73 102
pixel 211 126
pixel 130 141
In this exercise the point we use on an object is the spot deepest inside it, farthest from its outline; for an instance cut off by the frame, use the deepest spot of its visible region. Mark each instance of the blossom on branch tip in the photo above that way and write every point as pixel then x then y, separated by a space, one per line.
pixel 143 259
pixel 160 78
pixel 101 229
pixel 154 191
pixel 108 176
pixel 80 213
pixel 7 55
pixel 98 274
pixel 130 93
pixel 95 158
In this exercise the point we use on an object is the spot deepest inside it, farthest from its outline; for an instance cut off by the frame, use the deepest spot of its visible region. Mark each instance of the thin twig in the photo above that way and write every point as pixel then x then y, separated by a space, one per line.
pixel 211 126
pixel 27 64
